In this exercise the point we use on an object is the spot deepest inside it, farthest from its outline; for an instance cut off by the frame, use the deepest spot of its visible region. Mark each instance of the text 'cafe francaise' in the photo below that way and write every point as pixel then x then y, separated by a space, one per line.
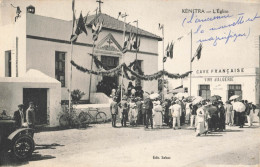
pixel 222 71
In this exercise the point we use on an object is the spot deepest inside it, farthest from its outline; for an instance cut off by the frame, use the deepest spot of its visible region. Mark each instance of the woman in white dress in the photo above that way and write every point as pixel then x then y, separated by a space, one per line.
pixel 200 128
pixel 157 114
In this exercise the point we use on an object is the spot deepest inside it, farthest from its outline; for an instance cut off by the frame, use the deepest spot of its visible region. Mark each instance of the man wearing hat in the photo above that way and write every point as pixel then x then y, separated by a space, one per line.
pixel 148 105
pixel 19 116
pixel 30 115
pixel 124 106
pixel 114 111
pixel 139 110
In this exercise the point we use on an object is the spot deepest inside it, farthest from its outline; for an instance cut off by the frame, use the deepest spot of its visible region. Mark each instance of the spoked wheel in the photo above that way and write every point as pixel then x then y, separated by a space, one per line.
pixel 84 119
pixel 64 121
pixel 101 117
pixel 23 147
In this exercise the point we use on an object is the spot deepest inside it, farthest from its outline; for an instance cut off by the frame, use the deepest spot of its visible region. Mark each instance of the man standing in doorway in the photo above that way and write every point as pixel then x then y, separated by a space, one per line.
pixel 19 116
pixel 30 115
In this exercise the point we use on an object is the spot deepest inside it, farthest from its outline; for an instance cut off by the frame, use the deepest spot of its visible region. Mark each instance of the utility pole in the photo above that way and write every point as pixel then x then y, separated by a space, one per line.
pixel 122 70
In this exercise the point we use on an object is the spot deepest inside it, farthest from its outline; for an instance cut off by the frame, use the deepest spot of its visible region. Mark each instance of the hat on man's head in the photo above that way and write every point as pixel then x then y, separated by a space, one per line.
pixel 20 105
pixel 31 103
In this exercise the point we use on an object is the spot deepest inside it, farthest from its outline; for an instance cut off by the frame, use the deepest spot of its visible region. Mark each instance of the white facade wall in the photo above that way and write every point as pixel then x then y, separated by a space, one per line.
pixel 18 47
pixel 41 53
pixel 12 95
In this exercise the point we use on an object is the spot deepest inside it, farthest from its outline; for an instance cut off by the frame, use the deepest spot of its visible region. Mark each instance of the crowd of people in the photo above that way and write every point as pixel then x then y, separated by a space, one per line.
pixel 204 116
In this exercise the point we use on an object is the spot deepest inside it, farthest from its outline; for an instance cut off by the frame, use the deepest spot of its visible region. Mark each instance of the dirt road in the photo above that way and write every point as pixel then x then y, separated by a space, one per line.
pixel 102 145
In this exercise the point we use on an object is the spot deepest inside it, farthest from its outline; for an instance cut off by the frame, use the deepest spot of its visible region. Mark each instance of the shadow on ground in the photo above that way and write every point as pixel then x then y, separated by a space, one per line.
pixel 48 129
pixel 7 158
pixel 46 146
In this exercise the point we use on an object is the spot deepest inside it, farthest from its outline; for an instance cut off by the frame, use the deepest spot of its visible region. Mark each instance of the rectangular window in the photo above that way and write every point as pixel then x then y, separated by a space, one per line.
pixel 234 90
pixel 204 91
pixel 8 63
pixel 60 67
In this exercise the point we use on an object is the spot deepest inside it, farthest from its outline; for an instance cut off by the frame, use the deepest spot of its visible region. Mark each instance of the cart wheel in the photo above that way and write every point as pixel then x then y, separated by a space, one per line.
pixel 64 121
pixel 84 119
pixel 101 117
pixel 23 146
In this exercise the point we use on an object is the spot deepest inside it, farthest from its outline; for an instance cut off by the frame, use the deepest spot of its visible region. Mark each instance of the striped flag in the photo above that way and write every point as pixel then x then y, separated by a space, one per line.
pixel 96 29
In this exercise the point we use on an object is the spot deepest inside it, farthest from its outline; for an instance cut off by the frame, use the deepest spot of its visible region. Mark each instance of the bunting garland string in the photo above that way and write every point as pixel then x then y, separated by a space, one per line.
pixel 132 78
pixel 99 64
pixel 116 71
pixel 100 72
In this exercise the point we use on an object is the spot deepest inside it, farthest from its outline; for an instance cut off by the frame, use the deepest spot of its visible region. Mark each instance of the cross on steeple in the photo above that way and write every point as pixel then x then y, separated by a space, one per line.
pixel 99 5
pixel 109 42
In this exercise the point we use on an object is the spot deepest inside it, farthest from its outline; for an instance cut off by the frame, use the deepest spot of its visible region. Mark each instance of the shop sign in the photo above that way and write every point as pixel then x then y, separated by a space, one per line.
pixel 219 79
pixel 221 71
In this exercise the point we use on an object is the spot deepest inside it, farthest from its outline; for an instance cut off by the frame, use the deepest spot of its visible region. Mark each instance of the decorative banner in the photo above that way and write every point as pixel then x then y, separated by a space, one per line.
pixel 116 71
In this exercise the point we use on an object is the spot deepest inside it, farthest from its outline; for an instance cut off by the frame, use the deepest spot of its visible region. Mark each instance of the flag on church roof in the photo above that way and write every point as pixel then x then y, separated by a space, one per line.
pixel 81 27
pixel 125 45
pixel 131 40
pixel 111 23
pixel 96 29
pixel 137 43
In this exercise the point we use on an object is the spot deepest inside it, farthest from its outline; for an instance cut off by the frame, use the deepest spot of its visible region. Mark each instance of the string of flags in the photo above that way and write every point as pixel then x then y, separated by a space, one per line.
pixel 198 53
pixel 132 41
pixel 82 25
pixel 169 48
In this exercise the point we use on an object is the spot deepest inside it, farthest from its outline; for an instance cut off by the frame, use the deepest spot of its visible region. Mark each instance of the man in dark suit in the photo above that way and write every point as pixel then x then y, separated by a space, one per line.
pixel 19 116
pixel 148 111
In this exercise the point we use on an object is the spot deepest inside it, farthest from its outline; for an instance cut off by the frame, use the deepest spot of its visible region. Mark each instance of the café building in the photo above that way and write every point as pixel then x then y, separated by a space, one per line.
pixel 225 82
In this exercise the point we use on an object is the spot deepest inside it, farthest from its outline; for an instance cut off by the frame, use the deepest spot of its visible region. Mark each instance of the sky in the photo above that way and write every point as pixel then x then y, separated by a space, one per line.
pixel 241 50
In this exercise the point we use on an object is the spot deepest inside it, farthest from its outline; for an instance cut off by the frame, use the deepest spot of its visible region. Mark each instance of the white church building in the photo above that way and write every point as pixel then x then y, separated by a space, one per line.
pixel 37 46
